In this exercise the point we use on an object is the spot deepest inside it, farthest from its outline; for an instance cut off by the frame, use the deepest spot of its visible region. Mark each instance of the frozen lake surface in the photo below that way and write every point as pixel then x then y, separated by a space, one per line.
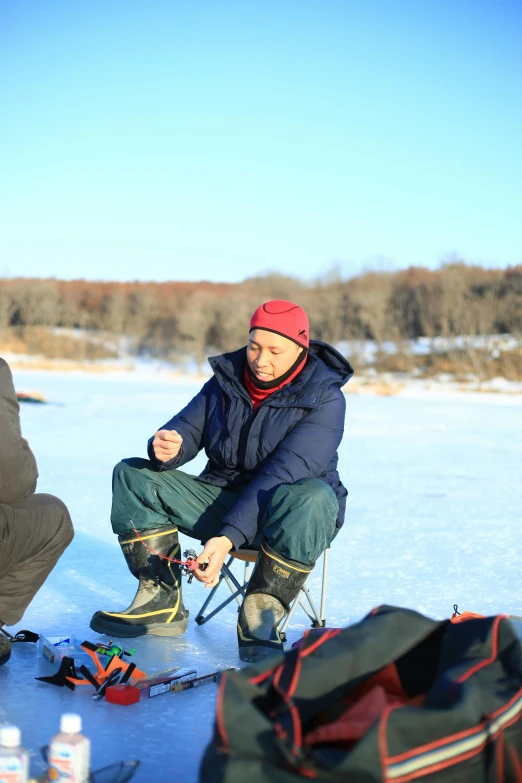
pixel 433 519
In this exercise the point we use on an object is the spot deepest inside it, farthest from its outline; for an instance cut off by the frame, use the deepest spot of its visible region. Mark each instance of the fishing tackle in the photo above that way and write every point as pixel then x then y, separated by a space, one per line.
pixel 111 649
pixel 115 671
pixel 191 564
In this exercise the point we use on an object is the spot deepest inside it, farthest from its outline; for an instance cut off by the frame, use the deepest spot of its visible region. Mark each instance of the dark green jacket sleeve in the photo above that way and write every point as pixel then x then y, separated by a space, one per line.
pixel 18 471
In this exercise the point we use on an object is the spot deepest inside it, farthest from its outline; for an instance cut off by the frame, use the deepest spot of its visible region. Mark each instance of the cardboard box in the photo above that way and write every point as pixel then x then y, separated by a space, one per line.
pixel 156 684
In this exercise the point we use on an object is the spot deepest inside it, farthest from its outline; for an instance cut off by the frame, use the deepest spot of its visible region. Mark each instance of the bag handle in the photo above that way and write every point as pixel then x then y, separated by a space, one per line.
pixel 278 704
pixel 285 677
pixel 278 693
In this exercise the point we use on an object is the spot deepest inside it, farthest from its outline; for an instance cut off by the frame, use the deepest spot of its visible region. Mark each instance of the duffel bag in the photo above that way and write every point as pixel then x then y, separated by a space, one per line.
pixel 393 698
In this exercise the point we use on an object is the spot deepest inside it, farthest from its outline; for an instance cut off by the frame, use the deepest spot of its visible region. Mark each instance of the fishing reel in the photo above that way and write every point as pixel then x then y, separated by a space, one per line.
pixel 191 564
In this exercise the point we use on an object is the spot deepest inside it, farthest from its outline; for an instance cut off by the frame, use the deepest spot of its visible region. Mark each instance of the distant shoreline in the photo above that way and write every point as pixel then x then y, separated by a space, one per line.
pixel 363 383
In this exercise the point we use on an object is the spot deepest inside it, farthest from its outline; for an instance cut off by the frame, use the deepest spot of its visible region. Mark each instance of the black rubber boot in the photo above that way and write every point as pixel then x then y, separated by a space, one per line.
pixel 157 607
pixel 5 647
pixel 273 586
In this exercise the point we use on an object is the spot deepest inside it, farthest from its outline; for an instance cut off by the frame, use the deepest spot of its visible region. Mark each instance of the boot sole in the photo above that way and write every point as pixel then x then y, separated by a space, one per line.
pixel 131 631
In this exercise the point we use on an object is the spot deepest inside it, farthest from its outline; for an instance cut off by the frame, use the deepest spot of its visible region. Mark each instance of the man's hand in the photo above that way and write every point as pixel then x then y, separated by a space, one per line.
pixel 215 551
pixel 166 444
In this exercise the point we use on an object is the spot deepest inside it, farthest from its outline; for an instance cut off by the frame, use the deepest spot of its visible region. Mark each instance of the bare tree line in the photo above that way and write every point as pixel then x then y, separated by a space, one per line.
pixel 166 319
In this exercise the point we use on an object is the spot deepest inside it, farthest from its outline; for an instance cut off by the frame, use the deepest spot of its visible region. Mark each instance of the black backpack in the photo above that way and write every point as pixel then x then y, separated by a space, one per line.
pixel 393 698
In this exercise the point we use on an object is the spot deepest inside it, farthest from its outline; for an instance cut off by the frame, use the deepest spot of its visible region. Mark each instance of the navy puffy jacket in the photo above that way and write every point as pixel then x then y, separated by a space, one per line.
pixel 294 434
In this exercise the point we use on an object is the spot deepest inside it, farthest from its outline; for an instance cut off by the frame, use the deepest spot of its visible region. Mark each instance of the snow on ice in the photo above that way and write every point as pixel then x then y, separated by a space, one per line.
pixel 433 519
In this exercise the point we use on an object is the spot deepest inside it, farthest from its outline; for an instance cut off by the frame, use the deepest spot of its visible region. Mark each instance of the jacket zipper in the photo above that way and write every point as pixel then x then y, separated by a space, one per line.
pixel 245 434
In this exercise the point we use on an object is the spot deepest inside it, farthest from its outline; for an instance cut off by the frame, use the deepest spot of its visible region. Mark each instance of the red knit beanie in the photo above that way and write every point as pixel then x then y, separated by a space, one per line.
pixel 284 318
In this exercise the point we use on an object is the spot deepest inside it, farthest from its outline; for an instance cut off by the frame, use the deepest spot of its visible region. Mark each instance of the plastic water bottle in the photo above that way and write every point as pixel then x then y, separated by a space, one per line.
pixel 14 760
pixel 69 752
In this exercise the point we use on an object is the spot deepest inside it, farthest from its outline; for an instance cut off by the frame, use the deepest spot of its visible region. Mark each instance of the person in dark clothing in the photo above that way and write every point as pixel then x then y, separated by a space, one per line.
pixel 270 419
pixel 34 528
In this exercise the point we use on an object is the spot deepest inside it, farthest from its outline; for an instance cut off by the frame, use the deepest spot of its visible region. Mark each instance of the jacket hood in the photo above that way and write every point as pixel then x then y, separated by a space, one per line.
pixel 334 361
pixel 325 366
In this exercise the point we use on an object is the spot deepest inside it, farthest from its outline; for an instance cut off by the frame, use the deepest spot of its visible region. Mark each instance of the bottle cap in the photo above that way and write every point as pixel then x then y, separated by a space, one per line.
pixel 10 736
pixel 70 723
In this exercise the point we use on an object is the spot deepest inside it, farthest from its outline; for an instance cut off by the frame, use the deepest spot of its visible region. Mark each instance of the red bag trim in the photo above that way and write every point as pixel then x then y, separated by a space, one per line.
pixel 306 651
pixel 318 642
pixel 287 695
pixel 459 735
pixel 434 767
pixel 457 758
pixel 451 738
pixel 262 677
pixel 383 742
pixel 302 653
pixel 387 761
pixel 493 655
pixel 297 738
pixel 298 732
pixel 295 678
pixel 220 713
pixel 515 760
pixel 306 773
pixel 500 758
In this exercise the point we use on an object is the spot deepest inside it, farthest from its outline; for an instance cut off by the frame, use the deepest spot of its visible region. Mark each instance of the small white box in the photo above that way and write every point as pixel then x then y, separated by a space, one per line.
pixel 56 647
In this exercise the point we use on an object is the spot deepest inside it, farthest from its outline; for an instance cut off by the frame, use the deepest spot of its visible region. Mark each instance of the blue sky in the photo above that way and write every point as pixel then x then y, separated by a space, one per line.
pixel 216 140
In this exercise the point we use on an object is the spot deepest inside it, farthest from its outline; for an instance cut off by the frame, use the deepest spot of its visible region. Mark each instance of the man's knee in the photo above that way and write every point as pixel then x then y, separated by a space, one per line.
pixel 45 520
pixel 301 518
pixel 58 516
pixel 128 471
pixel 135 500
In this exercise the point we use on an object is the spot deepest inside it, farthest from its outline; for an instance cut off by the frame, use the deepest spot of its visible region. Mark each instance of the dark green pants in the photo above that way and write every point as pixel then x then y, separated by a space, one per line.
pixel 299 520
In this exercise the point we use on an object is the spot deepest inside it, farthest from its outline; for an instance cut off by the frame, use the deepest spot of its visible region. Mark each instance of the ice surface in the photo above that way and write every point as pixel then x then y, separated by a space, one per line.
pixel 433 519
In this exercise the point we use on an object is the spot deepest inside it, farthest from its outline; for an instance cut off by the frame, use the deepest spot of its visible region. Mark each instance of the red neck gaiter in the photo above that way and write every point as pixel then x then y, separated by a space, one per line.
pixel 258 395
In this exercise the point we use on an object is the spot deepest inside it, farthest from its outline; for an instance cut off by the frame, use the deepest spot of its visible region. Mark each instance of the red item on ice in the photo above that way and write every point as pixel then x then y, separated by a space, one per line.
pixel 122 694
pixel 284 318
pixel 460 617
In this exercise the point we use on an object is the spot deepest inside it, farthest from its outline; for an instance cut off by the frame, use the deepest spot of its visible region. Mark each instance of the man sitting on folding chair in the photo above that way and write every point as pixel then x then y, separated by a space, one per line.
pixel 270 419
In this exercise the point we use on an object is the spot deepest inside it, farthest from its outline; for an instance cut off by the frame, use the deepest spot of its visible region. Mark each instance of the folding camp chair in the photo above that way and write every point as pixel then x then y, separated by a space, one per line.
pixel 238 590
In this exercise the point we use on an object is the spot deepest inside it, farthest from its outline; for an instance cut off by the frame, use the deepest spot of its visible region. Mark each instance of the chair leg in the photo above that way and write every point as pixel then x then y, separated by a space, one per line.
pixel 282 630
pixel 318 620
pixel 211 594
pixel 231 581
pixel 323 589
